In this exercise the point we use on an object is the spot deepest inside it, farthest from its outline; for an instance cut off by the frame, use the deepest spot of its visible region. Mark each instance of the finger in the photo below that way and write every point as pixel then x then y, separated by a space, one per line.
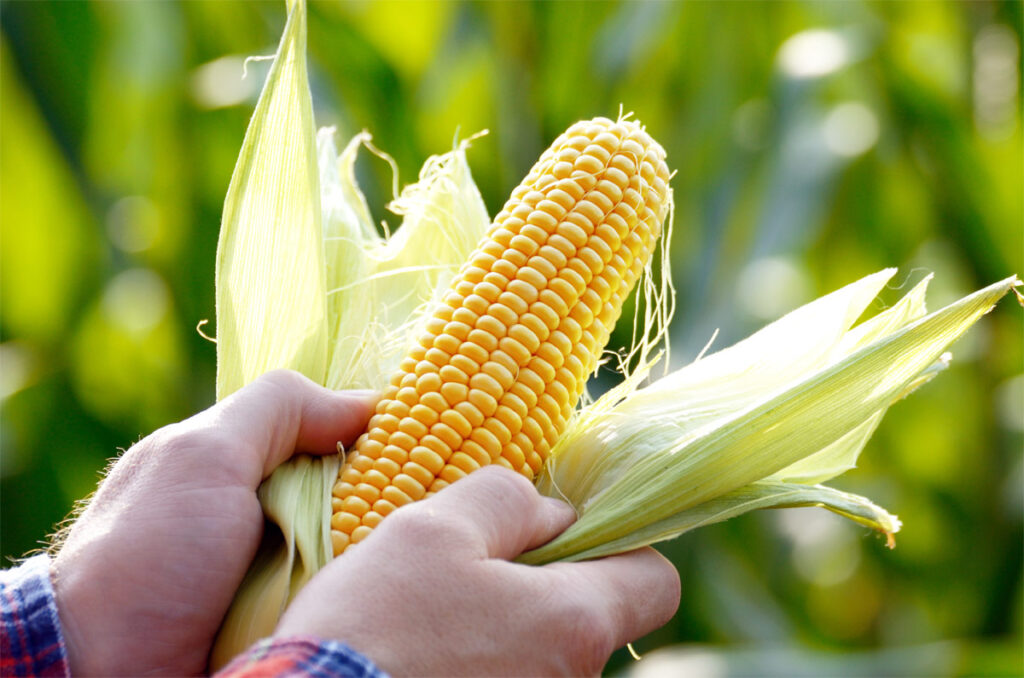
pixel 282 413
pixel 504 510
pixel 637 592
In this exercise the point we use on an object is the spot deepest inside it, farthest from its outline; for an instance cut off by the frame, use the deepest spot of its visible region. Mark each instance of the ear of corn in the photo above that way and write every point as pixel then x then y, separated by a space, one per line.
pixel 305 282
pixel 502 362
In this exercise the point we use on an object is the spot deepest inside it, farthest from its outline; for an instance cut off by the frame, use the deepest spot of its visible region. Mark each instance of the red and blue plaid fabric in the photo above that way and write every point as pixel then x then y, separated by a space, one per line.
pixel 31 643
pixel 300 656
pixel 30 639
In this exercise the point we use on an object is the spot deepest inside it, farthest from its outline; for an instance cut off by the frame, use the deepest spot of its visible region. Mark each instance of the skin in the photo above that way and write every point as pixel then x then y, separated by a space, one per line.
pixel 433 594
pixel 148 570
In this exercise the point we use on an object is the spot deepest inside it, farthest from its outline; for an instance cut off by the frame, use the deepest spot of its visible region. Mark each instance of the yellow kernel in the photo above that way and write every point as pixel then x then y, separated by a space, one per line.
pixel 339 542
pixel 515 350
pixel 544 370
pixel 466 365
pixel 512 401
pixel 395 407
pixel 486 440
pixel 471 412
pixel 529 378
pixel 487 291
pixel 502 314
pixel 523 244
pixel 485 340
pixel 542 266
pixel 459 330
pixel 372 519
pixel 588 164
pixel 427 458
pixel 492 326
pixel 418 473
pixel 427 383
pixel 506 361
pixel 351 477
pixel 423 414
pixel 498 429
pixel 591 258
pixel 413 427
pixel 355 505
pixel 438 485
pixel 500 373
pixel 557 305
pixel 409 486
pixel 433 401
pixel 561 244
pixel 532 277
pixel 344 522
pixel 451 473
pixel 386 422
pixel 437 356
pixel 582 268
pixel 458 422
pixel 513 454
pixel 576 235
pixel 367 492
pixel 496 279
pixel 455 392
pixel 376 478
pixel 387 467
pixel 523 290
pixel 451 374
pixel 477 453
pixel 532 429
pixel 408 395
pixel 336 504
pixel 555 257
pixel 482 401
pixel 361 462
pixel 465 316
pixel 542 218
pixel 463 462
pixel 425 367
pixel 474 351
pixel 485 382
pixel 517 304
pixel 526 394
pixel 437 445
pixel 551 355
pixel 395 496
pixel 395 453
pixel 447 434
pixel 525 337
pixel 563 289
pixel 361 533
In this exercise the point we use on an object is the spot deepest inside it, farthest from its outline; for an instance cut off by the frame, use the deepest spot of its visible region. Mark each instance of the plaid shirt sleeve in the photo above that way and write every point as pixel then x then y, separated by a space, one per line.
pixel 30 638
pixel 300 656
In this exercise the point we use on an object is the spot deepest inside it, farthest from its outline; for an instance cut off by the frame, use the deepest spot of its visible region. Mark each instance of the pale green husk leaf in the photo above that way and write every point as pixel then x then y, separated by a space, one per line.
pixel 271 301
pixel 639 467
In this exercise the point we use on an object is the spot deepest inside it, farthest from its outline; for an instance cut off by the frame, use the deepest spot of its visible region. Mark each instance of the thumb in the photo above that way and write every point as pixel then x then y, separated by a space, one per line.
pixel 283 412
pixel 504 510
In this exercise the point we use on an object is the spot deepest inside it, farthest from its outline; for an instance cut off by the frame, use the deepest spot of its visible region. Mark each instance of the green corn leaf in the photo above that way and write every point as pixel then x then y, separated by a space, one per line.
pixel 763 494
pixel 271 302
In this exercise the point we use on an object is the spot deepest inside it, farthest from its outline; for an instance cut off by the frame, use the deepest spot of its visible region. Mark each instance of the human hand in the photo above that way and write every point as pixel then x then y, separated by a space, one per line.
pixel 431 591
pixel 148 571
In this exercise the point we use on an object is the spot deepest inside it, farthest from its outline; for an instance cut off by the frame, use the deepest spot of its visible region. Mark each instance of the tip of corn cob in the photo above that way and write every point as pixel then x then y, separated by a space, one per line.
pixel 504 358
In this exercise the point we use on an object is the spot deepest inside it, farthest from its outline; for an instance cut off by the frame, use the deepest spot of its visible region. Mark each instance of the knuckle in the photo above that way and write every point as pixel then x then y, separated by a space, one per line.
pixel 415 526
pixel 285 380
pixel 509 484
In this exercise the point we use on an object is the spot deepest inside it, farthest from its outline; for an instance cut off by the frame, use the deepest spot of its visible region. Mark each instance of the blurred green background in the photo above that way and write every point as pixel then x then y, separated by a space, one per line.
pixel 815 142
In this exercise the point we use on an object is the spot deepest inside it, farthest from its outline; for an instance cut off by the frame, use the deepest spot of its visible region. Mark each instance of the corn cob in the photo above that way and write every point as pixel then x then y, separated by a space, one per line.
pixel 504 359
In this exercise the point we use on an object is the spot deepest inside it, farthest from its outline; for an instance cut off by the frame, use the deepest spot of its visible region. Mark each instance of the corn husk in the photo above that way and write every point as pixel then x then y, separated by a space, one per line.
pixel 306 281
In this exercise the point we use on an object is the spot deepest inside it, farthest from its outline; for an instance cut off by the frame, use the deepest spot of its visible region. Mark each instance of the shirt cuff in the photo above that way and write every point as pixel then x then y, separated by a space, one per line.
pixel 31 642
pixel 300 655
